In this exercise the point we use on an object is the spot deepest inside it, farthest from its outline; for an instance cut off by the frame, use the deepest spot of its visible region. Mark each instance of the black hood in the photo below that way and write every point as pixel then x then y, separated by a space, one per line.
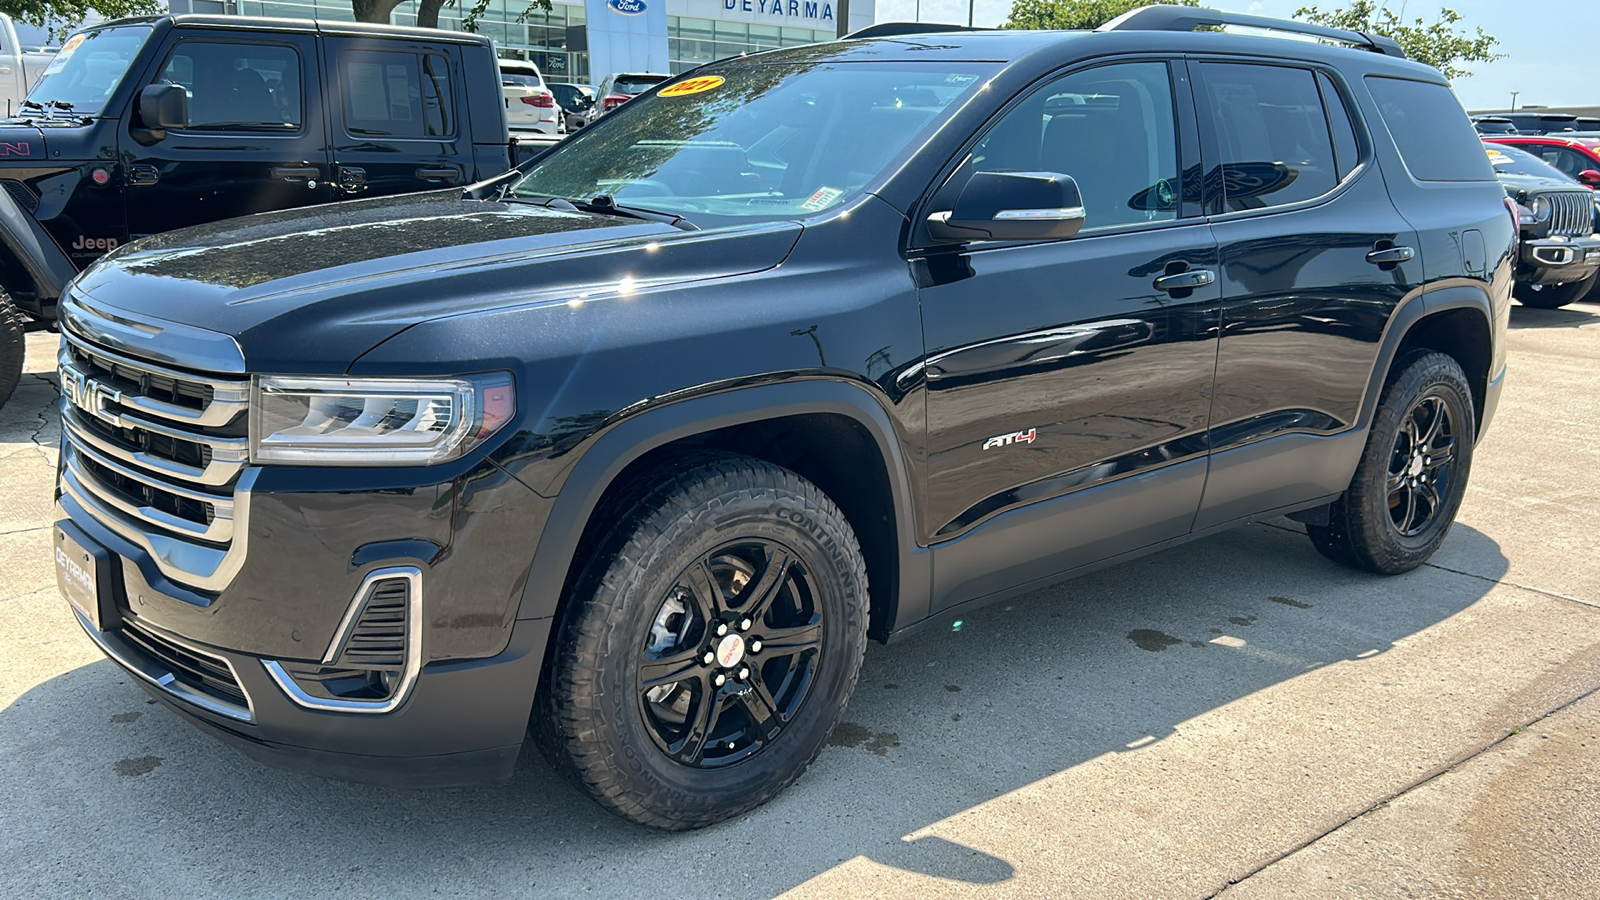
pixel 311 290
pixel 22 143
pixel 1536 184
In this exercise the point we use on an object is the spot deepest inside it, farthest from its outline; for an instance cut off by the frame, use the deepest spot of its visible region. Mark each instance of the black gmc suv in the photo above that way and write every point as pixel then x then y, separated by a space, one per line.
pixel 640 444
pixel 140 126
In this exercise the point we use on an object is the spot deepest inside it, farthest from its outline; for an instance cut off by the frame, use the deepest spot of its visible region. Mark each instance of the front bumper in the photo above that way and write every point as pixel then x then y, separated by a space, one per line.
pixel 1547 261
pixel 463 722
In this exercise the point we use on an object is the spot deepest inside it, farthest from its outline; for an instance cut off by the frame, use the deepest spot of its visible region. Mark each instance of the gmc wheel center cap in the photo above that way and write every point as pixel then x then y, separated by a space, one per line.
pixel 729 651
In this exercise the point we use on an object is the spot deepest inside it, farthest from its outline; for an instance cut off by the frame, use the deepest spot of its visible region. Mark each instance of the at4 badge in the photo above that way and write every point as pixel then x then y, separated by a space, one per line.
pixel 1015 437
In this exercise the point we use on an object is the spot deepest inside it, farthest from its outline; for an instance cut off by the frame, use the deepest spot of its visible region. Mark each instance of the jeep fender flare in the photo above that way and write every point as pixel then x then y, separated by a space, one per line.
pixel 1411 311
pixel 35 252
pixel 613 450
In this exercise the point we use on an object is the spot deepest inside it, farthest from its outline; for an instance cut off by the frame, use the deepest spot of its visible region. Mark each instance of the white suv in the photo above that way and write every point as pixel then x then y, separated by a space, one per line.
pixel 529 104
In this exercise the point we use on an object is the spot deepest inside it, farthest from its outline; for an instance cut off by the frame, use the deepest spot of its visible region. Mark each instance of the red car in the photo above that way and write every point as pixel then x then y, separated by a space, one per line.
pixel 1576 157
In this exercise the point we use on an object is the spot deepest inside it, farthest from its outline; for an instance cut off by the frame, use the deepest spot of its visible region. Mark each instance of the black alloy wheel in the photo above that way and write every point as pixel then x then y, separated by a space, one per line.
pixel 1409 482
pixel 731 655
pixel 710 645
pixel 1421 470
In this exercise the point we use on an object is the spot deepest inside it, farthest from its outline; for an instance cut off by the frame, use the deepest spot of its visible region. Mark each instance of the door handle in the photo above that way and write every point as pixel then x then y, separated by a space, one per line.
pixel 5 70
pixel 1184 281
pixel 143 175
pixel 1388 256
pixel 296 174
pixel 352 179
pixel 449 174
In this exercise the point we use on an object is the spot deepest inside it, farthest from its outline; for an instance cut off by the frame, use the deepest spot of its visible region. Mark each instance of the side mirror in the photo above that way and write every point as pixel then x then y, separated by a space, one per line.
pixel 1012 206
pixel 164 106
pixel 1590 178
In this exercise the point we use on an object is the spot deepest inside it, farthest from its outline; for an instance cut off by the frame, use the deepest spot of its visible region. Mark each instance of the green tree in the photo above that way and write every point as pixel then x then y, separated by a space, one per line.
pixel 428 11
pixel 62 17
pixel 1438 43
pixel 1076 15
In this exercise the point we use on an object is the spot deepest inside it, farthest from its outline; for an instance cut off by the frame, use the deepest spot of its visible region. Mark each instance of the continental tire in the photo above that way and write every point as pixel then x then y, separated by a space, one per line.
pixel 1554 296
pixel 13 345
pixel 1409 483
pixel 719 634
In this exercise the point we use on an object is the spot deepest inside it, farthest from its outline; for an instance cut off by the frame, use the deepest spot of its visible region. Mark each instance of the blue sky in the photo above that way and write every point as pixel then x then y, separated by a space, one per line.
pixel 1551 45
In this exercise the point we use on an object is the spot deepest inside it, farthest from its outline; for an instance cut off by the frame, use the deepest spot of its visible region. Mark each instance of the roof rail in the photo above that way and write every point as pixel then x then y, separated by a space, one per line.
pixel 1187 18
pixel 899 29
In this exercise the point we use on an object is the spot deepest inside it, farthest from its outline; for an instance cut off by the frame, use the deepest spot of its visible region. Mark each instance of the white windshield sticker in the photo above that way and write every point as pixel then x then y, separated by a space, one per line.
pixel 822 199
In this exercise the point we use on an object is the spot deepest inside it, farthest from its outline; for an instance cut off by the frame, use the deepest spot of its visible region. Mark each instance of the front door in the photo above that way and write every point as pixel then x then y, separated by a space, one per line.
pixel 1069 382
pixel 1315 258
pixel 396 115
pixel 255 139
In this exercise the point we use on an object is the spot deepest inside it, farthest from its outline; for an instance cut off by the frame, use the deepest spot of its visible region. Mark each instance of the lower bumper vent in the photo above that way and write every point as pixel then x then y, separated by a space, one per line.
pixel 374 658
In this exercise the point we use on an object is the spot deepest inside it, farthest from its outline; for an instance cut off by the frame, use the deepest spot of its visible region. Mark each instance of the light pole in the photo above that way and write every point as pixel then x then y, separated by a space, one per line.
pixel 1514 100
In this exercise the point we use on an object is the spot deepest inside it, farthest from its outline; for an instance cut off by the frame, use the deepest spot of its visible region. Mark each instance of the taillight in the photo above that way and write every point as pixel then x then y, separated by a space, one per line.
pixel 1516 221
pixel 543 101
pixel 616 100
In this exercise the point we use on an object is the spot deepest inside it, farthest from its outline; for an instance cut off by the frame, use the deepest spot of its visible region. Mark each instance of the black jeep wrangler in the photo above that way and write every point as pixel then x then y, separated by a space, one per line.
pixel 643 442
pixel 145 125
pixel 1558 258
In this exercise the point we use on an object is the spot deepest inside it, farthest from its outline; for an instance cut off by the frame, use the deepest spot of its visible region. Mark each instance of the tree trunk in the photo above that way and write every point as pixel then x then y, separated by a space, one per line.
pixel 377 10
pixel 428 13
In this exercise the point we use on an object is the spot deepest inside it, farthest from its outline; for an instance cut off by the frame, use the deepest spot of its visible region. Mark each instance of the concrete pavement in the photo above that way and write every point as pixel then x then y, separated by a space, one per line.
pixel 1236 716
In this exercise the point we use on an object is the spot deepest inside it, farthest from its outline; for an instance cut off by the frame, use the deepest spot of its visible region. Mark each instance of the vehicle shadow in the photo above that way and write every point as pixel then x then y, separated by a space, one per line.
pixel 1565 317
pixel 940 723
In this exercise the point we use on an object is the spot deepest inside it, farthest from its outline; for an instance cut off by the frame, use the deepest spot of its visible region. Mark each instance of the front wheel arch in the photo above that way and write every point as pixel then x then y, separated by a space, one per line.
pixel 733 421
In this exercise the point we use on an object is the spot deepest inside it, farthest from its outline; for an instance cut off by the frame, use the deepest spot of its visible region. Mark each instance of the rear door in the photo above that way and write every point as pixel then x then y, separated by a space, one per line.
pixel 396 115
pixel 255 138
pixel 1315 259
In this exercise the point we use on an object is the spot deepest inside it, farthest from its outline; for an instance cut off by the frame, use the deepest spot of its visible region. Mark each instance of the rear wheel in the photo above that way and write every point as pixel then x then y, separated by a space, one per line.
pixel 1409 483
pixel 1554 296
pixel 718 637
pixel 13 346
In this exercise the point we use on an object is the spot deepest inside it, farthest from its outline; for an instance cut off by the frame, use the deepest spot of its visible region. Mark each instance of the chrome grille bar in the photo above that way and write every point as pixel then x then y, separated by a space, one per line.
pixel 229 456
pixel 228 398
pixel 218 531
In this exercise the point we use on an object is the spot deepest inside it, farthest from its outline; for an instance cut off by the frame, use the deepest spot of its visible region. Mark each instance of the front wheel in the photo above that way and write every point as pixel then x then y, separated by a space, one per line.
pixel 13 346
pixel 1554 296
pixel 719 634
pixel 1412 475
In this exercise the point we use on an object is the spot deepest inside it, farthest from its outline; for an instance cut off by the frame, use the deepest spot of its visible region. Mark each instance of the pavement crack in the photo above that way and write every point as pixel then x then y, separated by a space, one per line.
pixel 23 530
pixel 1390 799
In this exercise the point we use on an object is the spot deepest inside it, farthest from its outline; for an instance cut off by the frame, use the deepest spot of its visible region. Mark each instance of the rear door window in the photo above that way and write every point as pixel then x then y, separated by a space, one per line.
pixel 1273 142
pixel 1430 129
pixel 396 94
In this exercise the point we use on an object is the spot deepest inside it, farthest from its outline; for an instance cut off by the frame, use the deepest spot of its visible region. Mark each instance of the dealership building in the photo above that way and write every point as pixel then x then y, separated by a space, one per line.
pixel 585 40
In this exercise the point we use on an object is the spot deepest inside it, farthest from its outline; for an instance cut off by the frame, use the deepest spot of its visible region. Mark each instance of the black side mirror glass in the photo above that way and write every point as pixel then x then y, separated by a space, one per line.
pixel 164 106
pixel 1012 206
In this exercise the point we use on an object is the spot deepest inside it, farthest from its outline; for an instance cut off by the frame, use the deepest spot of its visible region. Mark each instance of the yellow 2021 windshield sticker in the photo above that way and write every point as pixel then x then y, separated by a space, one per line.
pixel 693 86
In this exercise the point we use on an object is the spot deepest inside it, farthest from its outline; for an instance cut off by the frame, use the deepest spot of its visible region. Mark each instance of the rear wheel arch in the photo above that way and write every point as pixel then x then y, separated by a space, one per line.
pixel 1455 321
pixel 833 433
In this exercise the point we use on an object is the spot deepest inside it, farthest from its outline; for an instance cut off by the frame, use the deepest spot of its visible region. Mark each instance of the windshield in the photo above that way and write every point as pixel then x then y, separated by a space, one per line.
pixel 777 140
pixel 1511 161
pixel 634 85
pixel 88 68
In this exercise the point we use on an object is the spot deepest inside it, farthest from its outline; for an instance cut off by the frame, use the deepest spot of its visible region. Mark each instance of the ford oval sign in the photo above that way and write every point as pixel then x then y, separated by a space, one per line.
pixel 626 7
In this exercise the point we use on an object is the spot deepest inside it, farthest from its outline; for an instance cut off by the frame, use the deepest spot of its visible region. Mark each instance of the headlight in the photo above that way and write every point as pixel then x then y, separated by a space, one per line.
pixel 1540 208
pixel 375 421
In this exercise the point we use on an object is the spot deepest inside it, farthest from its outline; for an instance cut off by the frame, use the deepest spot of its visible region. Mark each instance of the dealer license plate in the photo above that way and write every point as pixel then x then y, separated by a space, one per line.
pixel 75 575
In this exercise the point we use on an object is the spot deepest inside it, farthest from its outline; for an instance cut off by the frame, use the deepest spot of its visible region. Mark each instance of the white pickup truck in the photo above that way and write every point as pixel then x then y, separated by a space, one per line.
pixel 19 69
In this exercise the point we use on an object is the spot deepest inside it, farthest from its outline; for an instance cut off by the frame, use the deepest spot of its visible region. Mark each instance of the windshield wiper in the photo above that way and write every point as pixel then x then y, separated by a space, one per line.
pixel 607 205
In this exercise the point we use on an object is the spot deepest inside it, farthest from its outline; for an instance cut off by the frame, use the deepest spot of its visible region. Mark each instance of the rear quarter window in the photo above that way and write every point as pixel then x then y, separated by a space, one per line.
pixel 1431 130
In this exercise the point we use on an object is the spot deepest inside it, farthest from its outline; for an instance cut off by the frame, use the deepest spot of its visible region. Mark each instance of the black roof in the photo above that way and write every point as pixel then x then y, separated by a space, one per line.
pixel 304 26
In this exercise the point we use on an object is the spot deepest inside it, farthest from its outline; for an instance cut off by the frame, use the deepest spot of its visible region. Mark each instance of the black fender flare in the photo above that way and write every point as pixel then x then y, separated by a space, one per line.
pixel 612 451
pixel 1411 311
pixel 35 251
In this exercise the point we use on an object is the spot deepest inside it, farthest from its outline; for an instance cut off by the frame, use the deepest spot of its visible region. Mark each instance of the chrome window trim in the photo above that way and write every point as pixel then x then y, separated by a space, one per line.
pixel 158 675
pixel 408 675
pixel 193 565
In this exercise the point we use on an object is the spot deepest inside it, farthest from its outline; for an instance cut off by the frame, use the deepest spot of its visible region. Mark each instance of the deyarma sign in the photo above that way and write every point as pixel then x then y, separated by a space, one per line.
pixel 815 10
